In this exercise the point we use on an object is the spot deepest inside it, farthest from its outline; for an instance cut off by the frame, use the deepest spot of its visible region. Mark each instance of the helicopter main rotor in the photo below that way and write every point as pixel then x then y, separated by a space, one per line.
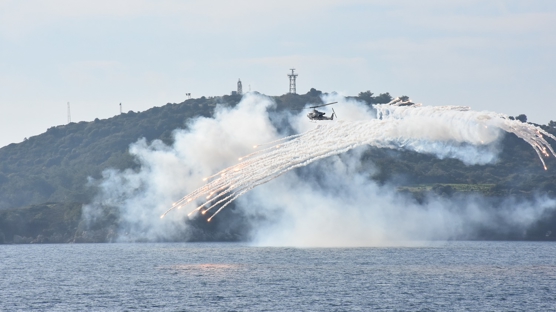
pixel 322 105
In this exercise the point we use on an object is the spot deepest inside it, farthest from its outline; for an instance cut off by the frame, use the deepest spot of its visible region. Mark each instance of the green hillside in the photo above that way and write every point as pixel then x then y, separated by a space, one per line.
pixel 54 166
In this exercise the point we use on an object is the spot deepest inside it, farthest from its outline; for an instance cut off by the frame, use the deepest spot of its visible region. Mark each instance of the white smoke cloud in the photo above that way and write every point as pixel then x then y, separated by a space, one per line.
pixel 332 202
pixel 346 209
pixel 166 172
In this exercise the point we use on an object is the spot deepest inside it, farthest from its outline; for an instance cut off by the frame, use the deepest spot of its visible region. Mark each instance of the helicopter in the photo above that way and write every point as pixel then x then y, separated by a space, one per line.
pixel 316 115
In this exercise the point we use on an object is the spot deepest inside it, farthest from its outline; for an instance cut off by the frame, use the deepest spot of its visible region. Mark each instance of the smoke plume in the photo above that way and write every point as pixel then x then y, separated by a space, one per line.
pixel 310 189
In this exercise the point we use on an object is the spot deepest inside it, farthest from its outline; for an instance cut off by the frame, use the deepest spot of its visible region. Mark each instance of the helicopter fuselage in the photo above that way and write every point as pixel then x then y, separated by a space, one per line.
pixel 317 115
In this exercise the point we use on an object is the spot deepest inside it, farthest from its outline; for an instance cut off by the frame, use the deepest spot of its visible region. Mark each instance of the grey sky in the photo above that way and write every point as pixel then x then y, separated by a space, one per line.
pixel 490 55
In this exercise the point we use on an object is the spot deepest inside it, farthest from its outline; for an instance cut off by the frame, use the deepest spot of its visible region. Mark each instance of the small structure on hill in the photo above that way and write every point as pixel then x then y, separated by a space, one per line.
pixel 239 88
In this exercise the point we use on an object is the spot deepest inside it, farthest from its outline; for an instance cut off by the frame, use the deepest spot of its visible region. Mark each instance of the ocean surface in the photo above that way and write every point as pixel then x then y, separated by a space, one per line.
pixel 451 276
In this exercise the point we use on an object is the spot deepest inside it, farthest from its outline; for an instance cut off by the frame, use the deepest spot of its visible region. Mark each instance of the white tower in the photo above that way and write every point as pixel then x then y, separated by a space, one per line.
pixel 292 81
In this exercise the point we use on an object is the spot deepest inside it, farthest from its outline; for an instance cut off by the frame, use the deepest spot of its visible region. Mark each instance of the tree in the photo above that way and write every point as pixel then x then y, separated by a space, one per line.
pixel 314 92
pixel 366 96
pixel 521 118
pixel 383 98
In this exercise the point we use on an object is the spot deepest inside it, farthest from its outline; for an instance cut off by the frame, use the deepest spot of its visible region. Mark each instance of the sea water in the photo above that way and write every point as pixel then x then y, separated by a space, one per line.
pixel 449 276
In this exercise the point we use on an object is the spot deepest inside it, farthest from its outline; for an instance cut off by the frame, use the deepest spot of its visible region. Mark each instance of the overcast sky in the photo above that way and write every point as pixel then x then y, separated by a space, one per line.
pixel 490 55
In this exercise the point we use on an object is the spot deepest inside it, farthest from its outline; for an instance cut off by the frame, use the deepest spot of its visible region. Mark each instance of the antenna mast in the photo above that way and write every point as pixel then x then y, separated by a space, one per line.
pixel 292 81
pixel 120 108
pixel 69 113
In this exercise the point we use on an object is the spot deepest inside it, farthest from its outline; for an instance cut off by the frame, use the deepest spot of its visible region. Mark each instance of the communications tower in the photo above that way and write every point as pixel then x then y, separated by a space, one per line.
pixel 292 81
pixel 239 87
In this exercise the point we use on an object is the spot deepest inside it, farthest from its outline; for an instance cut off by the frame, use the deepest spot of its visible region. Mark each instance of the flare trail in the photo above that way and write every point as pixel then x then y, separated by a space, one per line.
pixel 408 127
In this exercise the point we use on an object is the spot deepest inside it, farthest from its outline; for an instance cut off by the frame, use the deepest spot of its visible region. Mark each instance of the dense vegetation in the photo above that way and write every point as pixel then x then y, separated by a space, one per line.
pixel 44 180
